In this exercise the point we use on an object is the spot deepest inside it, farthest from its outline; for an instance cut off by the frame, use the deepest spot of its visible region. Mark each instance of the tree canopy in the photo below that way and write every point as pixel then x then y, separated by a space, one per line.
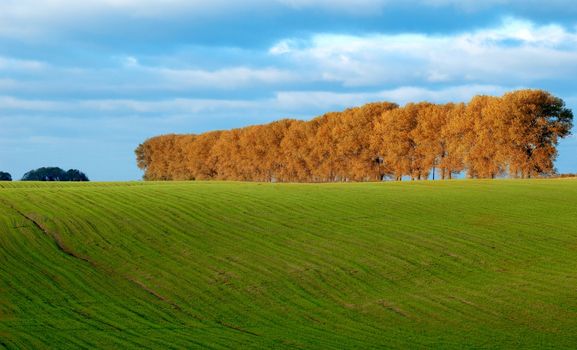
pixel 513 135
pixel 54 174
pixel 5 176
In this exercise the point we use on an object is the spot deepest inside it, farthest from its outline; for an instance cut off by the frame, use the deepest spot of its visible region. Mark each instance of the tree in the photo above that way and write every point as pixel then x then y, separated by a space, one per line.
pixel 536 121
pixel 515 135
pixel 395 145
pixel 358 159
pixel 295 151
pixel 427 137
pixel 485 158
pixel 457 136
pixel 5 176
pixel 54 174
pixel 75 175
pixel 225 155
pixel 198 156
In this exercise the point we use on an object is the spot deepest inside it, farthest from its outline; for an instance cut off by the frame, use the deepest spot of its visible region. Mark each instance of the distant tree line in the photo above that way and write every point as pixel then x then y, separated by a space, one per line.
pixel 54 174
pixel 564 175
pixel 514 135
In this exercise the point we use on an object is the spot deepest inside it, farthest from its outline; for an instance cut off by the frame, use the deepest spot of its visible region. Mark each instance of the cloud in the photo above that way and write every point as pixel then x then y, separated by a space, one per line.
pixel 282 102
pixel 33 18
pixel 129 77
pixel 324 100
pixel 12 64
pixel 42 18
pixel 90 106
pixel 13 103
pixel 517 51
pixel 61 9
pixel 227 78
pixel 224 78
pixel 514 53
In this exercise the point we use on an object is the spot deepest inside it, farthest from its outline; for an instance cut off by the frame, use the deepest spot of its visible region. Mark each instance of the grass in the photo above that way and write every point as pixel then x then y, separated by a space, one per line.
pixel 456 264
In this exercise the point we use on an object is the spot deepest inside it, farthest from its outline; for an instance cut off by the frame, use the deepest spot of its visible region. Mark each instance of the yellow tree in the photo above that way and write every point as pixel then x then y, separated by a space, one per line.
pixel 429 145
pixel 457 136
pixel 321 158
pixel 225 155
pixel 490 136
pixel 295 151
pixel 486 156
pixel 394 143
pixel 154 156
pixel 273 159
pixel 357 158
pixel 198 156
pixel 535 122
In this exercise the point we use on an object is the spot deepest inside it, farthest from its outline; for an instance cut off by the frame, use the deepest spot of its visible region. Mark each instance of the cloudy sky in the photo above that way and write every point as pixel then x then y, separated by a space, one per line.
pixel 82 83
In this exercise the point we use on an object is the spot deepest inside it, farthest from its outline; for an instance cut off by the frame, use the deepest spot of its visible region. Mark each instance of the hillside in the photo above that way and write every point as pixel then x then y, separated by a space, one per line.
pixel 452 264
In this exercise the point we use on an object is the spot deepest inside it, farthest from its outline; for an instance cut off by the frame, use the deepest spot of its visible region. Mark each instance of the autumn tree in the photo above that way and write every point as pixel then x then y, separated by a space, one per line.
pixel 357 159
pixel 154 155
pixel 226 155
pixel 199 163
pixel 515 135
pixel 456 138
pixel 485 158
pixel 392 140
pixel 535 121
pixel 296 150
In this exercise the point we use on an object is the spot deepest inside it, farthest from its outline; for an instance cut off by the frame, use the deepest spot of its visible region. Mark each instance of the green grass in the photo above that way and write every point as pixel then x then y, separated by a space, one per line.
pixel 458 264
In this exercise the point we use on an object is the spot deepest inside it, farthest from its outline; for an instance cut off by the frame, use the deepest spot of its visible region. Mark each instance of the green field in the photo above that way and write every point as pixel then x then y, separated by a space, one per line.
pixel 455 264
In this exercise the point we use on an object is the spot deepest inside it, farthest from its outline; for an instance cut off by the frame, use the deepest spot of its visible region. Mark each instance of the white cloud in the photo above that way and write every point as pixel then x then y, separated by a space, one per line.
pixel 324 100
pixel 517 51
pixel 32 18
pixel 12 64
pixel 13 103
pixel 298 102
pixel 526 32
pixel 176 105
pixel 9 84
pixel 131 76
pixel 282 47
pixel 133 8
pixel 227 78
pixel 130 61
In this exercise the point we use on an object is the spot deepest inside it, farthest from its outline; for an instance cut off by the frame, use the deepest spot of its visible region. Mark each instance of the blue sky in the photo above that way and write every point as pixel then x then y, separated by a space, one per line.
pixel 82 83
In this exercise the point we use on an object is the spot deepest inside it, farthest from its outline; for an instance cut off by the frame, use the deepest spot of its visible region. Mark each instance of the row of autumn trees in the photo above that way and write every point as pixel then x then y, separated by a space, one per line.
pixel 514 135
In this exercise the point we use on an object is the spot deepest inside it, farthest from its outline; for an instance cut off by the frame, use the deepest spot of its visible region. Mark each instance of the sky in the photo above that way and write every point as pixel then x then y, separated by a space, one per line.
pixel 82 83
